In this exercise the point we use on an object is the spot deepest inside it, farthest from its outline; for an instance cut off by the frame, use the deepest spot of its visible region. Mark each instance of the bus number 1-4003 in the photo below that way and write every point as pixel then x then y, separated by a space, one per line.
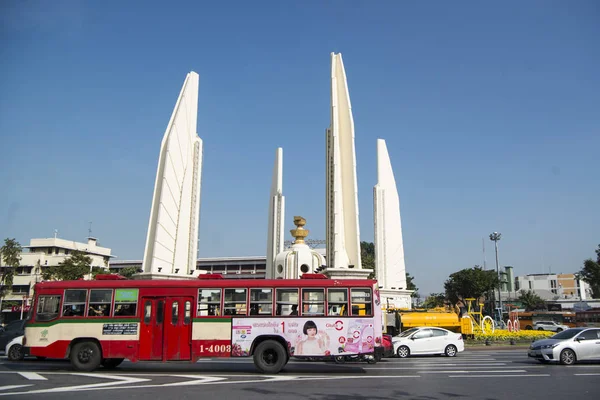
pixel 215 348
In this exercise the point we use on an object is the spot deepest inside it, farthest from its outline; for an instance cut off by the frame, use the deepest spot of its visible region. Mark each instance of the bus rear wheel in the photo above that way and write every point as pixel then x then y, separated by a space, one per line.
pixel 110 363
pixel 86 356
pixel 270 357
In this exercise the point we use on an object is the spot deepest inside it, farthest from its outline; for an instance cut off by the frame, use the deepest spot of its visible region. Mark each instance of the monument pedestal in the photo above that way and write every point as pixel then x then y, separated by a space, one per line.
pixel 396 298
pixel 347 273
pixel 162 276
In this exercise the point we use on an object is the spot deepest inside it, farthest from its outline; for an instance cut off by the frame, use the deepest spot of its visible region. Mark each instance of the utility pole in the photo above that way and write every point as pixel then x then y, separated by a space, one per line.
pixel 494 237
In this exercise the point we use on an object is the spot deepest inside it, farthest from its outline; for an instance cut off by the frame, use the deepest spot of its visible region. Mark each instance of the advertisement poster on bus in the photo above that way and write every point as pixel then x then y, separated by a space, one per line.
pixel 307 336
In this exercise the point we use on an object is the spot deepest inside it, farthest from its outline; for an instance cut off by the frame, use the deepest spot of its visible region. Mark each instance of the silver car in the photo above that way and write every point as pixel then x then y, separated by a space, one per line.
pixel 568 346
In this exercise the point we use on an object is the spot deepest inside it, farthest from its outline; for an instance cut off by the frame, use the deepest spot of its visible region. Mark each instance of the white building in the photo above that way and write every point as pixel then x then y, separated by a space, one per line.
pixel 554 286
pixel 41 254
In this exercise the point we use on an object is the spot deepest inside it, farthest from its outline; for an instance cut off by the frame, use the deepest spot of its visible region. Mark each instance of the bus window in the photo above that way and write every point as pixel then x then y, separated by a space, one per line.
pixel 175 313
pixel 160 306
pixel 261 301
pixel 209 302
pixel 126 302
pixel 188 313
pixel 313 301
pixel 74 305
pixel 234 302
pixel 100 300
pixel 147 312
pixel 47 308
pixel 287 302
pixel 337 301
pixel 361 301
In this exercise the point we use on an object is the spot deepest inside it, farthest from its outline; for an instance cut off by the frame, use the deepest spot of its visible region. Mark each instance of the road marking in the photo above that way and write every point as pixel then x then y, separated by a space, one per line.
pixel 586 374
pixel 107 385
pixel 12 387
pixel 439 366
pixel 496 376
pixel 470 372
pixel 32 376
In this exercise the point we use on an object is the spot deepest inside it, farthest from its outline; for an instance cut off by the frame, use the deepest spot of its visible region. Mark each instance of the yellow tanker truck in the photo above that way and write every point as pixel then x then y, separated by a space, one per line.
pixel 398 320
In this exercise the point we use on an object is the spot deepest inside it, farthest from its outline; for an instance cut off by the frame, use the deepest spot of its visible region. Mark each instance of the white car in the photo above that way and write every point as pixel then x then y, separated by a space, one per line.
pixel 549 326
pixel 428 340
pixel 568 347
pixel 14 349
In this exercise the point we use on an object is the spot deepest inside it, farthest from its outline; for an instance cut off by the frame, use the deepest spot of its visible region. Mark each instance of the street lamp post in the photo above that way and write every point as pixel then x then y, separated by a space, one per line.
pixel 494 237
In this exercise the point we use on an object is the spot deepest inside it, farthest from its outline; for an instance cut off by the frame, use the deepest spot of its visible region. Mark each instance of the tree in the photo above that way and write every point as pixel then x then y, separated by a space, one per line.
pixel 128 272
pixel 435 300
pixel 10 255
pixel 531 301
pixel 410 285
pixel 591 273
pixel 470 283
pixel 367 258
pixel 71 268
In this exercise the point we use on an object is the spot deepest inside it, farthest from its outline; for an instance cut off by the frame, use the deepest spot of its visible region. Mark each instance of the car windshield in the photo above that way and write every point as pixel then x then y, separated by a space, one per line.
pixel 568 334
pixel 408 332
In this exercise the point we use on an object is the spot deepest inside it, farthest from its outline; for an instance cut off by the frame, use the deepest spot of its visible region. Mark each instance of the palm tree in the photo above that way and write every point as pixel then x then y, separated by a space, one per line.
pixel 531 301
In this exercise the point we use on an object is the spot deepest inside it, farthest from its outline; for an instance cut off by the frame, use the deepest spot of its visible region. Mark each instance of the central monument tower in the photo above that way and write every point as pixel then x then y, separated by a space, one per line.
pixel 342 231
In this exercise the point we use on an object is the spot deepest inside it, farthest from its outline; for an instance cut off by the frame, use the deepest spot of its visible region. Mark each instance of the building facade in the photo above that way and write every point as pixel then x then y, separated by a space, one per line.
pixel 38 256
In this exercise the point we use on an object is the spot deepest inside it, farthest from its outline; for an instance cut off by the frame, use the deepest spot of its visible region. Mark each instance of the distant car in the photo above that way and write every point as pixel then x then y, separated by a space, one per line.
pixel 428 340
pixel 14 349
pixel 568 347
pixel 388 346
pixel 12 330
pixel 549 326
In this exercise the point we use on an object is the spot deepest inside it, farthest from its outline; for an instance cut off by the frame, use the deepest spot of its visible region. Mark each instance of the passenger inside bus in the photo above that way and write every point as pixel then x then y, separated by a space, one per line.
pixel 98 310
pixel 125 309
pixel 294 310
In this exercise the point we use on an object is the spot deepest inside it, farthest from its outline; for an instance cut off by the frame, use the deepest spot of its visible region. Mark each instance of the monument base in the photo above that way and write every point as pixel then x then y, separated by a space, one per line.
pixel 396 298
pixel 163 276
pixel 347 273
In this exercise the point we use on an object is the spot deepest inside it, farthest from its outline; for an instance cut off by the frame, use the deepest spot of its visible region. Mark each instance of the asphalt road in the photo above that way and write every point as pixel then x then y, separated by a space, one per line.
pixel 473 374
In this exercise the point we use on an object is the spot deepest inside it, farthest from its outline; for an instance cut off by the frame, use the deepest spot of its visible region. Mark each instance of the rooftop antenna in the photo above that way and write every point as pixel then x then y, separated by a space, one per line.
pixel 90 230
pixel 55 233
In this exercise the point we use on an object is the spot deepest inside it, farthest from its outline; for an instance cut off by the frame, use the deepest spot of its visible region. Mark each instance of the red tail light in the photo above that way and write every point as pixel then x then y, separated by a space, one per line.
pixel 459 337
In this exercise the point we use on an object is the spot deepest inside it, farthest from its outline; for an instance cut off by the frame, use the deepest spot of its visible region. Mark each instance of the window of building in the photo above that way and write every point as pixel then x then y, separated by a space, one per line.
pixel 209 302
pixel 126 302
pixel 313 301
pixel 234 302
pixel 530 285
pixel 261 301
pixel 337 301
pixel 47 308
pixel 287 302
pixel 74 305
pixel 100 300
pixel 361 301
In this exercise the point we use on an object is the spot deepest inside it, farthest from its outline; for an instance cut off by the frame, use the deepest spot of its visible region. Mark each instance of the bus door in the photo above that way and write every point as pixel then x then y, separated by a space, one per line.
pixel 178 328
pixel 152 327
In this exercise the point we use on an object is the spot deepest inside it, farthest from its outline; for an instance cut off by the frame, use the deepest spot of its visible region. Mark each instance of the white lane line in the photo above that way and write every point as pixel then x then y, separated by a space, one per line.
pixel 472 372
pixel 586 374
pixel 496 376
pixel 13 387
pixel 32 376
pixel 440 366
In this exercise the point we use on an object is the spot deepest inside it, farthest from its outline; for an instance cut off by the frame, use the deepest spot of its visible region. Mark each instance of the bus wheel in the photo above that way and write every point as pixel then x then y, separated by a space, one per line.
pixel 110 363
pixel 85 356
pixel 269 357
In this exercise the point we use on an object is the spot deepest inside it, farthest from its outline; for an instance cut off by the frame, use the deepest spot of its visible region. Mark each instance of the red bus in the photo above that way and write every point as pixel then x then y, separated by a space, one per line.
pixel 107 320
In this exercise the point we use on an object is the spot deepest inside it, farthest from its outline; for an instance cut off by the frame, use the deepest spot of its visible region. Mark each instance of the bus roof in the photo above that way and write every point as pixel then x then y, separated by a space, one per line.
pixel 203 283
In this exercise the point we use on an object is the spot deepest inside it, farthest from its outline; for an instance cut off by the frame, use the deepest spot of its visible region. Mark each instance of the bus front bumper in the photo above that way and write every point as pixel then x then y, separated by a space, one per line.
pixel 26 351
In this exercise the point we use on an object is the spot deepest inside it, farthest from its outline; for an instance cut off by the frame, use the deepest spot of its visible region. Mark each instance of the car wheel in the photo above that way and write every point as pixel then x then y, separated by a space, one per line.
pixel 528 328
pixel 15 353
pixel 450 350
pixel 567 357
pixel 559 330
pixel 540 329
pixel 340 359
pixel 403 352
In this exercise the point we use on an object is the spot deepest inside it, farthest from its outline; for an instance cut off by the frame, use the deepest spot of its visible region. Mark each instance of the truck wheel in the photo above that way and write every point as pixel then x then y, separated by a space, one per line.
pixel 270 357
pixel 86 356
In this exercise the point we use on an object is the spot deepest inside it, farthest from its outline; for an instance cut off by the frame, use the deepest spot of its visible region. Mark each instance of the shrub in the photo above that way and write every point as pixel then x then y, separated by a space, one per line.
pixel 504 335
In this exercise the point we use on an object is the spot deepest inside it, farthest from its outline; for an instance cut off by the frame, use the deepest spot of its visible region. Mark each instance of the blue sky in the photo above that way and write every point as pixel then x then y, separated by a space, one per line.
pixel 491 113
